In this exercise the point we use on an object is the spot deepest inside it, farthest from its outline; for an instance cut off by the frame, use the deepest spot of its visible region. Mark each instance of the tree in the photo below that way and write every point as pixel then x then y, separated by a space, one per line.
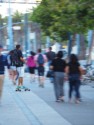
pixel 17 17
pixel 63 16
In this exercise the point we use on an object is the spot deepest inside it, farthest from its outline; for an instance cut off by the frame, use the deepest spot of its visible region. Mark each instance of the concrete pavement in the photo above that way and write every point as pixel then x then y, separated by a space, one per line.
pixel 38 107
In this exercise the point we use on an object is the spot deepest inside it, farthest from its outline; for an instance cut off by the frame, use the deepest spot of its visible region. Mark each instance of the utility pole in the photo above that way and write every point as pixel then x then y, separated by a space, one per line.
pixel 69 44
pixel 26 31
pixel 78 43
pixel 10 33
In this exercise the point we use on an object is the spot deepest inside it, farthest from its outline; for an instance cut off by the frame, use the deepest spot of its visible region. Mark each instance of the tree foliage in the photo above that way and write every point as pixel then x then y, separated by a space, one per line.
pixel 62 16
pixel 17 17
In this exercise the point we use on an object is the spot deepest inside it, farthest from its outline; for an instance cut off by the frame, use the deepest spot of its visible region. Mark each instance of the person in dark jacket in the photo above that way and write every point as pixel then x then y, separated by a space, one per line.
pixel 58 66
pixel 50 55
pixel 74 72
pixel 3 63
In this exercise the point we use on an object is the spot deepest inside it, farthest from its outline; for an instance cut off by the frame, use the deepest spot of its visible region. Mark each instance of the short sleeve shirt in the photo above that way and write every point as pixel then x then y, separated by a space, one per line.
pixel 58 65
pixel 74 68
pixel 20 55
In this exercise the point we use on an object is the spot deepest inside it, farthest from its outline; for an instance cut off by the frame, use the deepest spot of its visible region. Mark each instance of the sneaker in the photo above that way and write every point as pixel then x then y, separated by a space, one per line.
pixel 77 101
pixel 18 88
pixel 61 99
pixel 58 100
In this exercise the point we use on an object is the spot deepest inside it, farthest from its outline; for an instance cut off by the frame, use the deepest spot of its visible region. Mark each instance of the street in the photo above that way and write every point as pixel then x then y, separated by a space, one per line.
pixel 38 106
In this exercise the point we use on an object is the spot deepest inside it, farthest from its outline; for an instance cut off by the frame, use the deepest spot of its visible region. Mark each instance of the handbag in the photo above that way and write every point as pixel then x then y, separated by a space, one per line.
pixel 50 74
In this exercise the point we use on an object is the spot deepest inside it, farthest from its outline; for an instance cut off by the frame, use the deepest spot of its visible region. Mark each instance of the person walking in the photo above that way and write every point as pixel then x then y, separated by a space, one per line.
pixel 3 62
pixel 74 72
pixel 40 61
pixel 31 65
pixel 58 66
pixel 50 55
pixel 11 67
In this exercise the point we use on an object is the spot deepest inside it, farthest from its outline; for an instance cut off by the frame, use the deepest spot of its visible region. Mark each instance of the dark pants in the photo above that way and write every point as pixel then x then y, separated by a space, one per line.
pixel 74 84
pixel 40 70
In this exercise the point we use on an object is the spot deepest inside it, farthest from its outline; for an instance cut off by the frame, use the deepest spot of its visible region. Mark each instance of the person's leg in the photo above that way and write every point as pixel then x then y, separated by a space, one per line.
pixel 20 71
pixel 61 83
pixel 77 84
pixel 70 90
pixel 57 86
pixel 20 81
pixel 41 75
pixel 14 74
pixel 80 98
pixel 32 74
pixel 1 85
pixel 56 90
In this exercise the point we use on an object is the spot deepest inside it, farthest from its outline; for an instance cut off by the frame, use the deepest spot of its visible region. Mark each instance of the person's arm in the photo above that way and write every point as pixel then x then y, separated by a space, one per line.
pixel 67 69
pixel 52 65
pixel 45 58
pixel 21 57
pixel 81 70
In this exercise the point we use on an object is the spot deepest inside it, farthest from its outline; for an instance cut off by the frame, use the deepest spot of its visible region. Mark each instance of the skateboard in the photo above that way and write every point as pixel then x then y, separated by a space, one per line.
pixel 22 88
pixel 18 89
pixel 25 88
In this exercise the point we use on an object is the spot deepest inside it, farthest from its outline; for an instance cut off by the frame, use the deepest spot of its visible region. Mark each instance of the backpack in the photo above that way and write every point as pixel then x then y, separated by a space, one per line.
pixel 40 59
pixel 15 58
pixel 31 62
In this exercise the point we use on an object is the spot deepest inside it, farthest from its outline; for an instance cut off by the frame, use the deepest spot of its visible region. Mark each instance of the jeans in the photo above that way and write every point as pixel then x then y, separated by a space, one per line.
pixel 74 84
pixel 58 84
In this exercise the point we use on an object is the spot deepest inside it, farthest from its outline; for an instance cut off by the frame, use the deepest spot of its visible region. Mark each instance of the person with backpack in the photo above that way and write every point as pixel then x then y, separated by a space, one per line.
pixel 31 65
pixel 3 63
pixel 40 61
pixel 11 67
pixel 18 61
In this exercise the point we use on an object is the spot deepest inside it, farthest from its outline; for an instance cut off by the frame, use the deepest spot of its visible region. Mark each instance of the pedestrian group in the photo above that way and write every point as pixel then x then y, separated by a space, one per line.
pixel 59 68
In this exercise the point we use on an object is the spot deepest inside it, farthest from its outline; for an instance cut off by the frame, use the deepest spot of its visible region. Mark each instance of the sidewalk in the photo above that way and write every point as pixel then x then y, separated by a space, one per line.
pixel 38 107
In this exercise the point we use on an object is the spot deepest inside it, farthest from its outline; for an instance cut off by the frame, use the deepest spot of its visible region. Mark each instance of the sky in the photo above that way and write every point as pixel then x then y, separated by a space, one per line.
pixel 14 7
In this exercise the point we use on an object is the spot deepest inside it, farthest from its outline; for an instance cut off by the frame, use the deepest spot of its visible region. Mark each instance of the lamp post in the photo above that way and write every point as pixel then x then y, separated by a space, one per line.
pixel 10 33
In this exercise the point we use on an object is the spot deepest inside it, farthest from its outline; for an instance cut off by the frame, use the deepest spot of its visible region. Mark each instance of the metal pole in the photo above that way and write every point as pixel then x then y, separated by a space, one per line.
pixel 69 44
pixel 89 38
pixel 29 47
pixel 78 43
pixel 47 42
pixel 26 31
pixel 10 33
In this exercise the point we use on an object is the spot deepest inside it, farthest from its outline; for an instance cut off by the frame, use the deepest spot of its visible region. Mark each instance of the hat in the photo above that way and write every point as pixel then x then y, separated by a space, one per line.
pixel 1 46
